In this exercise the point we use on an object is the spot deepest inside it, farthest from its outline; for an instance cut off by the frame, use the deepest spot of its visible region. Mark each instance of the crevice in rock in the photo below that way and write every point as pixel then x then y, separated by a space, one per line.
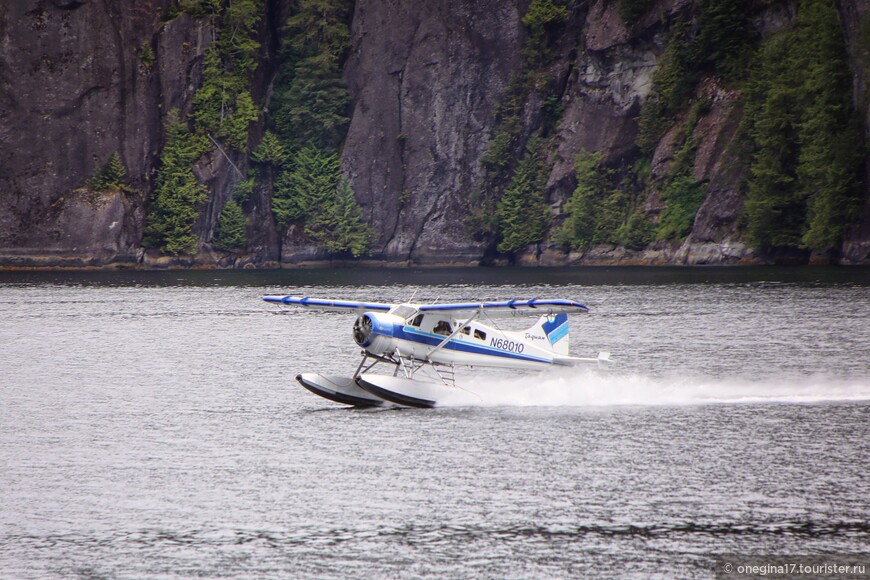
pixel 114 19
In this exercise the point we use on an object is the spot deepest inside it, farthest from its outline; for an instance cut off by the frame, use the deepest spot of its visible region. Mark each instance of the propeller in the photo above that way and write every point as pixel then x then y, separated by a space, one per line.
pixel 362 330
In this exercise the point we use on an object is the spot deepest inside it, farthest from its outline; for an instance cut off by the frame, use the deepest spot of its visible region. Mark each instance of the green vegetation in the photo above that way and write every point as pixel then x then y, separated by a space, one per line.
pixel 222 109
pixel 310 101
pixel 721 45
pixel 605 209
pixel 179 195
pixel 521 210
pixel 805 142
pixel 596 208
pixel 633 10
pixel 146 55
pixel 298 159
pixel 312 178
pixel 673 83
pixel 270 151
pixel 310 115
pixel 223 106
pixel 682 193
pixel 313 189
pixel 230 232
pixel 683 196
pixel 509 171
pixel 335 223
pixel 110 176
pixel 541 16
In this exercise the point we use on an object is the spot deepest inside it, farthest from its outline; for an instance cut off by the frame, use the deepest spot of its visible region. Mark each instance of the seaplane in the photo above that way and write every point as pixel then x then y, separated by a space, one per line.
pixel 424 343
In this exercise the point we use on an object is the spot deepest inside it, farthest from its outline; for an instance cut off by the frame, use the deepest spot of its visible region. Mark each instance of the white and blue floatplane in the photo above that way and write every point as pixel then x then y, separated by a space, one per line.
pixel 432 339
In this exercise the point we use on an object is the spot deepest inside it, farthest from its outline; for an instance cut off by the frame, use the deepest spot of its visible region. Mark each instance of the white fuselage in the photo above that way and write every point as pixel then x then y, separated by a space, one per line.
pixel 472 344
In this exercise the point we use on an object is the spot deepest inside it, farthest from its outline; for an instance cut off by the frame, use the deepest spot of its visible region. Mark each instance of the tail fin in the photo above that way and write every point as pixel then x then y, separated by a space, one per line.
pixel 555 327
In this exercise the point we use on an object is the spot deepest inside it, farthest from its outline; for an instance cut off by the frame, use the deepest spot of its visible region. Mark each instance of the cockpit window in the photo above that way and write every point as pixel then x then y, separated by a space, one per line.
pixel 417 320
pixel 443 327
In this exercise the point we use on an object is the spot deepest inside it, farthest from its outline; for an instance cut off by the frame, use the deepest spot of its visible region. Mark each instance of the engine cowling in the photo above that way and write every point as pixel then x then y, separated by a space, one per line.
pixel 362 330
pixel 374 332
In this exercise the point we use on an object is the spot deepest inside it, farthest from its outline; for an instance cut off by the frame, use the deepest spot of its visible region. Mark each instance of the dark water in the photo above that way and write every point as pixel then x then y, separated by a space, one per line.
pixel 150 426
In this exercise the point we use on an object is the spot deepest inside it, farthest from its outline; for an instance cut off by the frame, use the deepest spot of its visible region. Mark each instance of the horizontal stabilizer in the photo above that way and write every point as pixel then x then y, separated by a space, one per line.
pixel 603 360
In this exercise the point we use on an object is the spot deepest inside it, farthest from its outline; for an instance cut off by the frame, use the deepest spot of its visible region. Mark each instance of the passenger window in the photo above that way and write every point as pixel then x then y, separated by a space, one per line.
pixel 443 327
pixel 466 330
pixel 479 334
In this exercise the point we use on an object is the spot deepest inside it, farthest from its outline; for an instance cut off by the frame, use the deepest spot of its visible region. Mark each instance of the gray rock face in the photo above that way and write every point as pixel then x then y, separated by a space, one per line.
pixel 425 79
pixel 72 92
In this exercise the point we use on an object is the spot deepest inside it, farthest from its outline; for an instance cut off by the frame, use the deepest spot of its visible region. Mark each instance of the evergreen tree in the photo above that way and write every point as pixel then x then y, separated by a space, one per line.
pixel 724 41
pixel 336 223
pixel 112 175
pixel 806 145
pixel 521 210
pixel 541 15
pixel 313 177
pixel 832 144
pixel 230 232
pixel 178 194
pixel 223 106
pixel 114 172
pixel 311 101
pixel 774 214
pixel 596 209
pixel 633 10
pixel 270 151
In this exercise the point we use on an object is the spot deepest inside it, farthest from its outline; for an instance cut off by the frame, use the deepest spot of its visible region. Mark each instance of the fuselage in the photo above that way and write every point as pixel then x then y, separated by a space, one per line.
pixel 467 343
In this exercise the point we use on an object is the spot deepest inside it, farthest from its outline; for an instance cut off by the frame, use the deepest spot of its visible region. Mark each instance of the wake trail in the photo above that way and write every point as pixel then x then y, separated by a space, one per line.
pixel 591 388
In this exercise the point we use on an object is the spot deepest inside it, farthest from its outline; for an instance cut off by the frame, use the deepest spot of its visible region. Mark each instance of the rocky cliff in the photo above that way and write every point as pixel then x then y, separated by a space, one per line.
pixel 83 79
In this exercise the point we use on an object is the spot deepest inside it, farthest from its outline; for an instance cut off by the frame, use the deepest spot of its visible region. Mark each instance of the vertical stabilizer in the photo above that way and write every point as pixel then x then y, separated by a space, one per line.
pixel 555 328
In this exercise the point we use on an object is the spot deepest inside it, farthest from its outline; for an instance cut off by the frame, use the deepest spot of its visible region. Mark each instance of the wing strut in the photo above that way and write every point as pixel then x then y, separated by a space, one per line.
pixel 452 334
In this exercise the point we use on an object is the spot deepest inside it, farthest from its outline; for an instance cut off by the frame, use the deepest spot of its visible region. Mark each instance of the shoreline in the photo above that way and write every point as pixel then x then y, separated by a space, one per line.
pixel 686 254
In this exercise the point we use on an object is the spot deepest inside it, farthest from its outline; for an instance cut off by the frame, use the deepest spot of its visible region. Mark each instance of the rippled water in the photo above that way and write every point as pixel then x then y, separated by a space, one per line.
pixel 150 426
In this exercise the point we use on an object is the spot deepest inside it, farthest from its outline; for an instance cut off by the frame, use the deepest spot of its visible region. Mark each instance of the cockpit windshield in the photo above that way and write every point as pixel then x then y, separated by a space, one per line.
pixel 403 311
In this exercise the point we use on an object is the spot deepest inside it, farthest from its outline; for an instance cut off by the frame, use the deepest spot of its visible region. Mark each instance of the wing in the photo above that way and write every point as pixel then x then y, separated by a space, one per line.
pixel 457 309
pixel 509 307
pixel 329 305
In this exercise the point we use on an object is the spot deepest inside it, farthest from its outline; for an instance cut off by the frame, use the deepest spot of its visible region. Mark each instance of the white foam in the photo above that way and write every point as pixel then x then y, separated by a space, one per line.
pixel 590 388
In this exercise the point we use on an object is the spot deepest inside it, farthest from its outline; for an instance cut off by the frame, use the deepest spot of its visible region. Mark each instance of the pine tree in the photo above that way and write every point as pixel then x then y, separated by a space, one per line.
pixel 270 151
pixel 806 143
pixel 112 175
pixel 178 194
pixel 521 210
pixel 230 232
pixel 774 214
pixel 596 208
pixel 832 145
pixel 311 101
pixel 633 10
pixel 313 177
pixel 114 172
pixel 336 223
pixel 223 106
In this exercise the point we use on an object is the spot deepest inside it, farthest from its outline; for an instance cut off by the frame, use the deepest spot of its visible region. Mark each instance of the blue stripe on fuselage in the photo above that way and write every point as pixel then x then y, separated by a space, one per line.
pixel 411 334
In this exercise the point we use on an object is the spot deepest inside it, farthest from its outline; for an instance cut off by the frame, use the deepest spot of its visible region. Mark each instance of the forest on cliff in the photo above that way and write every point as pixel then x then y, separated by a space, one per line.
pixel 533 132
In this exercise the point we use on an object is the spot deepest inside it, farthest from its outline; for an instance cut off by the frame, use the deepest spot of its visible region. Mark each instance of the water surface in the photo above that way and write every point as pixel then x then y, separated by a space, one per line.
pixel 150 426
